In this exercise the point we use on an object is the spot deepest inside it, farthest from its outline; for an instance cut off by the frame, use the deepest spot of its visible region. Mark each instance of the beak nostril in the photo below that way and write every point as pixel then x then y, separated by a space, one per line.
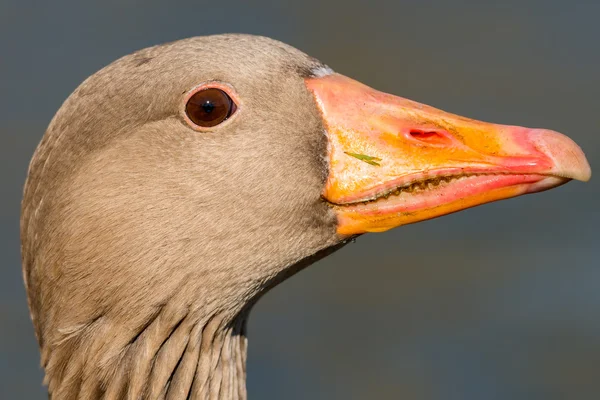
pixel 428 136
pixel 422 134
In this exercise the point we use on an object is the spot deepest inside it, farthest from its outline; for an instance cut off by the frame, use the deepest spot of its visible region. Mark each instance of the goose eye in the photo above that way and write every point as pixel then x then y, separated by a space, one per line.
pixel 209 107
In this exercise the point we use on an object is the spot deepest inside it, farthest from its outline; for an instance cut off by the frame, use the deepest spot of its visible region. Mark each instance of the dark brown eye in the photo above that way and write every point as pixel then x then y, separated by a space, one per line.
pixel 209 107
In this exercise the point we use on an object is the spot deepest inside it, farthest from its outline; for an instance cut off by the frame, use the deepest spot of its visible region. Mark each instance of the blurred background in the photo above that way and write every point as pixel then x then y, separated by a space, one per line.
pixel 496 302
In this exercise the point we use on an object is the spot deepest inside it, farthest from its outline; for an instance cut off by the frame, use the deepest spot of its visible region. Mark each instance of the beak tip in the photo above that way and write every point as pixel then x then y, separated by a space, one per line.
pixel 586 174
pixel 568 160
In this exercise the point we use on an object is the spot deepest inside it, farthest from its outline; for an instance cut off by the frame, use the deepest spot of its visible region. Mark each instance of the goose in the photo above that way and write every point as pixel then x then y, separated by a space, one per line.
pixel 177 185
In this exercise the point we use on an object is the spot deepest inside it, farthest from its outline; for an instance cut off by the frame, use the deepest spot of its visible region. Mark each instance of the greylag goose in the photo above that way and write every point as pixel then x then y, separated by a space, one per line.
pixel 178 184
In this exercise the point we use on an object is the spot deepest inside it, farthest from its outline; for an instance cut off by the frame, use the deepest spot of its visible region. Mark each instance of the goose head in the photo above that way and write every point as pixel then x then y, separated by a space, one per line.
pixel 178 184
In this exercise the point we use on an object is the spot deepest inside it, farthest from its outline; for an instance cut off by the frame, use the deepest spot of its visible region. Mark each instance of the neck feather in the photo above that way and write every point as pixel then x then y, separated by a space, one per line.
pixel 171 358
pixel 184 341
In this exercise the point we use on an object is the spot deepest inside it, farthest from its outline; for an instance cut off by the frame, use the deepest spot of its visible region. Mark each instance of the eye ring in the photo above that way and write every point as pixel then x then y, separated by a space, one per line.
pixel 209 105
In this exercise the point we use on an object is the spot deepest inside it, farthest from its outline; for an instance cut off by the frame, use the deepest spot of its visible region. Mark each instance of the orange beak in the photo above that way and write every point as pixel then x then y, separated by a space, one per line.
pixel 393 161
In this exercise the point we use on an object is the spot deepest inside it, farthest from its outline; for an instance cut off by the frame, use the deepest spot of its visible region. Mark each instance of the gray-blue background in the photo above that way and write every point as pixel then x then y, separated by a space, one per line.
pixel 497 302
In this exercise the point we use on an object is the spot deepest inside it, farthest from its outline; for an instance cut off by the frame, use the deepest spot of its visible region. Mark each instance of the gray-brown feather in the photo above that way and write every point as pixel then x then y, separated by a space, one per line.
pixel 145 242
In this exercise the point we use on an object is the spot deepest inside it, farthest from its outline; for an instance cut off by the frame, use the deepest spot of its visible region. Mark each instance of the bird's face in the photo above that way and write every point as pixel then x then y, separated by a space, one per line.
pixel 197 164
pixel 378 160
pixel 246 143
pixel 257 132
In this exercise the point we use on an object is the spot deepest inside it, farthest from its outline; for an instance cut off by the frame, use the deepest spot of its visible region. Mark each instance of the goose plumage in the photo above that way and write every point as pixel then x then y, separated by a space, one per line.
pixel 146 239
